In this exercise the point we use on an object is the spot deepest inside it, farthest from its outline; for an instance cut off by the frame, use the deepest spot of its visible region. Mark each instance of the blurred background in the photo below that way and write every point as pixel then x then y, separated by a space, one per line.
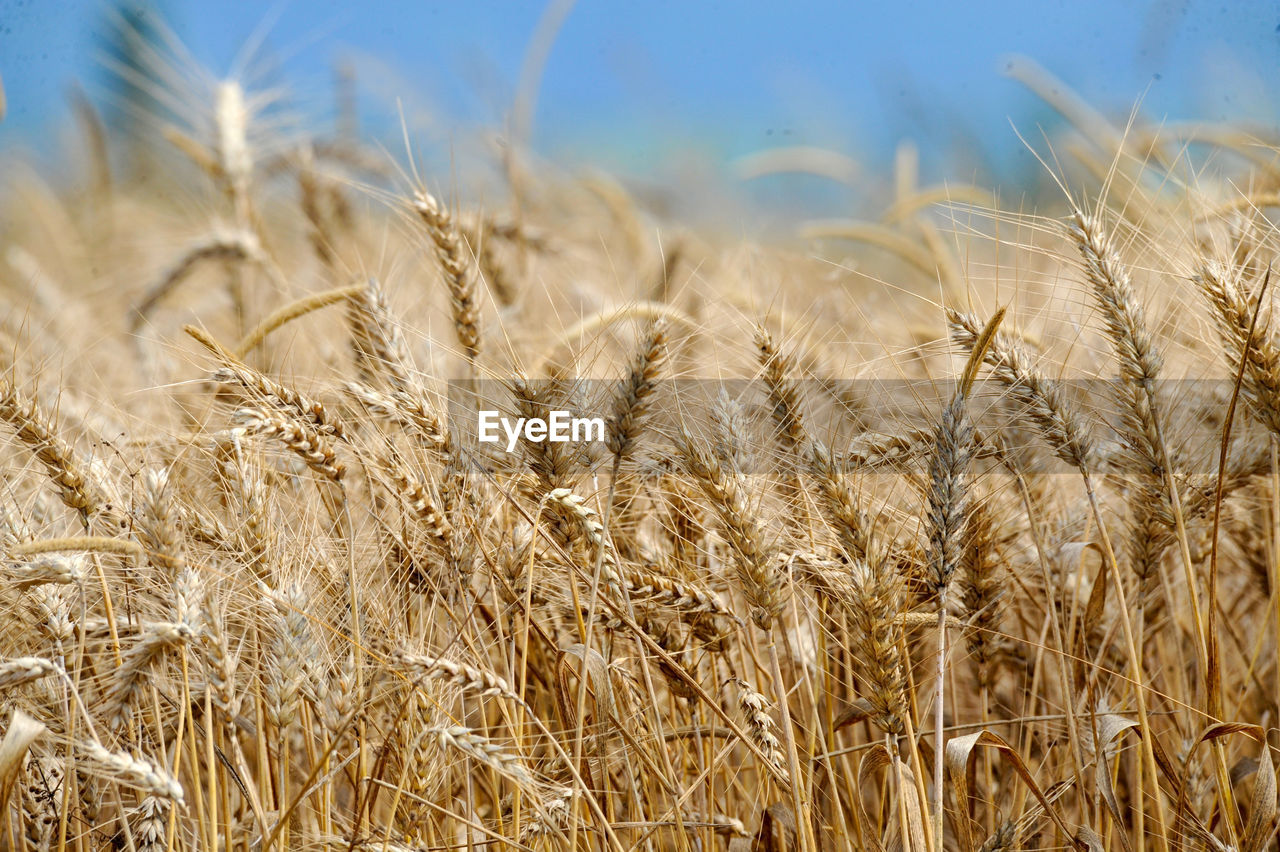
pixel 671 95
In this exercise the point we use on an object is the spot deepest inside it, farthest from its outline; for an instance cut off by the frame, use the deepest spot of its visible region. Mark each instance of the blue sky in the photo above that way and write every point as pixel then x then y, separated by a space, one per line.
pixel 638 86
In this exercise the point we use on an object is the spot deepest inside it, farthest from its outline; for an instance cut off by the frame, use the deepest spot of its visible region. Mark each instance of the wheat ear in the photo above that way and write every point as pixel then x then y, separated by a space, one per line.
pixel 40 434
pixel 948 503
pixel 760 725
pixel 406 408
pixel 1234 316
pixel 129 770
pixel 307 443
pixel 379 348
pixel 1060 424
pixel 632 399
pixel 457 271
pixel 757 574
pixel 480 749
pixel 1140 411
pixel 22 670
pixel 263 388
pixel 465 677
pixel 874 608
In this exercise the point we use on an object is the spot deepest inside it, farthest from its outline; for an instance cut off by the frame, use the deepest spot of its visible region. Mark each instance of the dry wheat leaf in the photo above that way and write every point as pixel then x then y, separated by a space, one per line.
pixel 1261 826
pixel 23 731
pixel 960 751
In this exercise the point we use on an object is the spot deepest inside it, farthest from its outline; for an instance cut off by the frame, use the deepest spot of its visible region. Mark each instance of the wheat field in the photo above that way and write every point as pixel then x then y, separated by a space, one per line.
pixel 951 528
